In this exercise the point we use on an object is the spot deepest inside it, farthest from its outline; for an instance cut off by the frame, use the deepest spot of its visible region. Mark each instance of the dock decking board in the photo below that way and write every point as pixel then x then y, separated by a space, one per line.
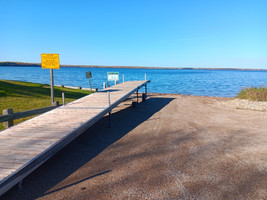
pixel 26 146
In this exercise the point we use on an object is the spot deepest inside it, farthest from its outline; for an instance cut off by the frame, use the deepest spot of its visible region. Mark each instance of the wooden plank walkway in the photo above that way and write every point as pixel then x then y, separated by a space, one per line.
pixel 26 146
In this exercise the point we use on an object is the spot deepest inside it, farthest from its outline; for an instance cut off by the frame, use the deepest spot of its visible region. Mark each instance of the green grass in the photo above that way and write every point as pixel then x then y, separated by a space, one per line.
pixel 253 93
pixel 23 96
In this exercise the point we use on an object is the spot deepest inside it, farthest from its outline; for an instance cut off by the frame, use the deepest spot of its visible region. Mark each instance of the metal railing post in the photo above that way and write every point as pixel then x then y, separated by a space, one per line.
pixel 108 98
pixel 63 99
pixel 109 114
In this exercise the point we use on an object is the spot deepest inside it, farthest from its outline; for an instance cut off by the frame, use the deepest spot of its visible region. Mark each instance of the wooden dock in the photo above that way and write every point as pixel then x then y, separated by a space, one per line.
pixel 28 145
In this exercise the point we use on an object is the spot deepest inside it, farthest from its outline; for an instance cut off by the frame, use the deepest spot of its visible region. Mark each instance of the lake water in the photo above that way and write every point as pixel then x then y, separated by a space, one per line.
pixel 223 83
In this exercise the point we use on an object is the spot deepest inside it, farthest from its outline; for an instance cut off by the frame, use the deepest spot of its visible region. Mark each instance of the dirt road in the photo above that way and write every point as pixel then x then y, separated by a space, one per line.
pixel 170 147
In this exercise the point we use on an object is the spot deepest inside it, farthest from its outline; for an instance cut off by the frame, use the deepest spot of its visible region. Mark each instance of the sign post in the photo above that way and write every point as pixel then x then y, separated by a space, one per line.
pixel 89 76
pixel 113 76
pixel 52 87
pixel 50 61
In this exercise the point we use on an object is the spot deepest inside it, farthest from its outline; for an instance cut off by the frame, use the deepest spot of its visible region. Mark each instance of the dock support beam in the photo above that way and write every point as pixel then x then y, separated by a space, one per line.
pixel 20 185
pixel 134 104
pixel 144 95
pixel 109 120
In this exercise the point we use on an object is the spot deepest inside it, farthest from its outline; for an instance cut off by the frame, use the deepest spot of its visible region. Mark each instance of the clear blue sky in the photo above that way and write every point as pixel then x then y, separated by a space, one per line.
pixel 164 33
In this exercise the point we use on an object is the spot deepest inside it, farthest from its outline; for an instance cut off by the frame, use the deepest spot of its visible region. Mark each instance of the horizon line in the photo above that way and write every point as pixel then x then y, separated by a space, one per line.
pixel 15 63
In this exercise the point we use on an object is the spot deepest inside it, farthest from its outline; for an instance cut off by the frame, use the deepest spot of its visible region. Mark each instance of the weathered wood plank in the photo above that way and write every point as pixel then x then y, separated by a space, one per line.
pixel 29 144
pixel 10 165
pixel 6 172
pixel 17 152
pixel 44 134
pixel 15 158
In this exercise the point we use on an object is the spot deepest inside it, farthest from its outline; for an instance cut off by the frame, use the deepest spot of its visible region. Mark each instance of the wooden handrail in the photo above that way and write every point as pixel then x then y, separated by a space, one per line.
pixel 19 115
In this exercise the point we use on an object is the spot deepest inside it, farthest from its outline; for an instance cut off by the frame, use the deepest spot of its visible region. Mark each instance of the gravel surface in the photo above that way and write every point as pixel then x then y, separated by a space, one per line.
pixel 169 147
pixel 246 104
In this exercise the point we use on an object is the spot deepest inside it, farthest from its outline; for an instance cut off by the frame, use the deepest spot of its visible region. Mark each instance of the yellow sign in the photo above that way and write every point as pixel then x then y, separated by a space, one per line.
pixel 50 61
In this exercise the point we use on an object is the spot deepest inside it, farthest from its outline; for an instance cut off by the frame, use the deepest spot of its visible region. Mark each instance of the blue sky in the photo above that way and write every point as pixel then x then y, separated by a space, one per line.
pixel 163 33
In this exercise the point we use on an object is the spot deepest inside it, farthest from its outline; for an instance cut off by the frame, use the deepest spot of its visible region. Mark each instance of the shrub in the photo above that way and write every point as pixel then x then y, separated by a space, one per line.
pixel 253 93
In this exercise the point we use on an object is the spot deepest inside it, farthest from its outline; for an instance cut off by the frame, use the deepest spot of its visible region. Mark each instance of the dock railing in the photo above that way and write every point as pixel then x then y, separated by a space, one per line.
pixel 8 116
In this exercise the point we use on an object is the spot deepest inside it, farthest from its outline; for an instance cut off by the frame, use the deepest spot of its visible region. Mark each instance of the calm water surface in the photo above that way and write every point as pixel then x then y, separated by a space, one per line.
pixel 223 83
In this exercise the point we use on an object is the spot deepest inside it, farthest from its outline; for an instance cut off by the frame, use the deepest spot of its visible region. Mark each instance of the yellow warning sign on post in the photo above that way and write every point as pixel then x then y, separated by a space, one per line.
pixel 50 61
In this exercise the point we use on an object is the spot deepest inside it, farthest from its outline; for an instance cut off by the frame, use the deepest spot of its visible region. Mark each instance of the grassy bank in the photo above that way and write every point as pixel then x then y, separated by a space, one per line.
pixel 253 93
pixel 22 96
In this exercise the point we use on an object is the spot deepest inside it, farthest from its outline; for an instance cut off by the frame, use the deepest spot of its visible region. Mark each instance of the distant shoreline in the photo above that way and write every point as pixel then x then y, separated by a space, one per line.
pixel 22 64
